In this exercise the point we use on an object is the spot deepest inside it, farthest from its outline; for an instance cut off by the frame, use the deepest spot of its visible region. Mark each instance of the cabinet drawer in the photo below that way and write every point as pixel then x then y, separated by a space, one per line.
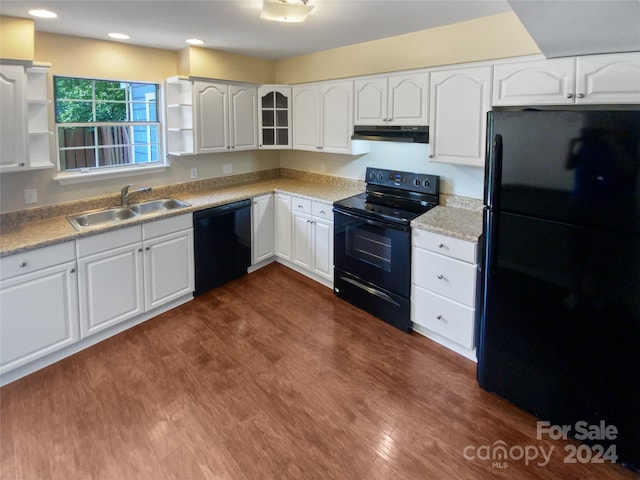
pixel 33 260
pixel 443 316
pixel 167 225
pixel 108 241
pixel 300 205
pixel 322 210
pixel 449 246
pixel 446 276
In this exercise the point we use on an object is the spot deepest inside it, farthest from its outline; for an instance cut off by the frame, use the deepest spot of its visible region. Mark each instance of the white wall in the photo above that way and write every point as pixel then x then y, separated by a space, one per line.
pixel 456 180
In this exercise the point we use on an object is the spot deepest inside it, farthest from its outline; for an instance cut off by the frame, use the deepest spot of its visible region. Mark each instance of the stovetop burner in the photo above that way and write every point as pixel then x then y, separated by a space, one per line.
pixel 393 196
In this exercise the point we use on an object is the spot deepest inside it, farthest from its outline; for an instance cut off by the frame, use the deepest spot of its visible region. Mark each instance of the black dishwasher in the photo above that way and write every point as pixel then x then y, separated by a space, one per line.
pixel 222 243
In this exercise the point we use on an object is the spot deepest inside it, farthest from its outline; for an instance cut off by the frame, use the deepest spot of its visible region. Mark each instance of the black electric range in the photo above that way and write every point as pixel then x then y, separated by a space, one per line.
pixel 372 242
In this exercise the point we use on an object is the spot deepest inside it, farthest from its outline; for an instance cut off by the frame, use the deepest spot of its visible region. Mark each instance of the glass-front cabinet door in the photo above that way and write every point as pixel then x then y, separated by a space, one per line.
pixel 274 116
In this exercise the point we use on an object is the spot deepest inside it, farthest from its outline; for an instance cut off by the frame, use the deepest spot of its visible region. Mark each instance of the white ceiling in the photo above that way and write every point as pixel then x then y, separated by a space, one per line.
pixel 235 26
pixel 559 27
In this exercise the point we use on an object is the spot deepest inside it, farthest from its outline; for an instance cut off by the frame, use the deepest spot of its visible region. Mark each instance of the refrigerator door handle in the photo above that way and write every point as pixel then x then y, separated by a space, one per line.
pixel 494 178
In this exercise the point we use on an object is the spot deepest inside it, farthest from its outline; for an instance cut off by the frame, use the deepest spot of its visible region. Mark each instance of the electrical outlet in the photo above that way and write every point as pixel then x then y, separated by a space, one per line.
pixel 30 196
pixel 322 167
pixel 227 168
pixel 194 173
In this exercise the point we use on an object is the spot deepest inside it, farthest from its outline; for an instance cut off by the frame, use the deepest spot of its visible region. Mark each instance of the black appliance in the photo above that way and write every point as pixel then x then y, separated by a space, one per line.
pixel 372 242
pixel 559 327
pixel 392 133
pixel 222 244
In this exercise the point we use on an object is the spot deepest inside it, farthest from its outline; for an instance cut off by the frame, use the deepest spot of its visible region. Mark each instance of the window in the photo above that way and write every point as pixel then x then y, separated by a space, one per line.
pixel 106 123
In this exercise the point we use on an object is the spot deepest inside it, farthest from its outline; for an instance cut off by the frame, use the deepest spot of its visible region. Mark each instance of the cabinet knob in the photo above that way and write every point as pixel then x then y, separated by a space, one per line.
pixel 569 95
pixel 441 277
pixel 23 264
pixel 140 250
pixel 440 317
pixel 442 245
pixel 581 95
pixel 21 164
pixel 430 155
pixel 322 212
pixel 73 270
pixel 148 248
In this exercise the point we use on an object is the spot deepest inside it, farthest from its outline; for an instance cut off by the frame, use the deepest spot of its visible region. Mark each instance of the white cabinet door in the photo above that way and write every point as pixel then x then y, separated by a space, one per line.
pixel 168 268
pixel 243 121
pixel 274 118
pixel 336 111
pixel 283 225
pixel 111 288
pixel 608 78
pixel 13 119
pixel 263 233
pixel 323 248
pixel 38 314
pixel 370 96
pixel 212 117
pixel 302 240
pixel 460 100
pixel 408 99
pixel 306 114
pixel 538 82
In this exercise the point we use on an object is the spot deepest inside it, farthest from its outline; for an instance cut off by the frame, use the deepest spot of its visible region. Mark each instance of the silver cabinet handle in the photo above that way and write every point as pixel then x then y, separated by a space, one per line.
pixel 581 95
pixel 140 250
pixel 441 277
pixel 569 95
pixel 73 270
pixel 442 245
pixel 23 264
pixel 148 248
pixel 322 212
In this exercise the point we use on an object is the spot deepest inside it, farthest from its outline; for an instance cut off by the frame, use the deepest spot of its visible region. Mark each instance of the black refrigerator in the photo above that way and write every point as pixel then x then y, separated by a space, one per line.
pixel 559 317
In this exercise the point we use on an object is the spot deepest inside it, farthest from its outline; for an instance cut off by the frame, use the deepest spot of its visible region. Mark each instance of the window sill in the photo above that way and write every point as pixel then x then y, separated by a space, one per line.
pixel 95 175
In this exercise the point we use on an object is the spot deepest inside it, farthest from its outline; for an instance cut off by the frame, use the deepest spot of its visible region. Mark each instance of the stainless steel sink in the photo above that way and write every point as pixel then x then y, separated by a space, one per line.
pixel 113 215
pixel 158 206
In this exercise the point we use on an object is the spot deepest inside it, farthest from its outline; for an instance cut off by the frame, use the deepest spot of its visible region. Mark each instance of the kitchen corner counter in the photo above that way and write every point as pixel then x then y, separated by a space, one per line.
pixel 452 222
pixel 40 233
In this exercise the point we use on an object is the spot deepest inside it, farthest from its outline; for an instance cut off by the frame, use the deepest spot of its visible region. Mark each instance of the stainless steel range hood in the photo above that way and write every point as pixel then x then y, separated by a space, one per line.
pixel 383 133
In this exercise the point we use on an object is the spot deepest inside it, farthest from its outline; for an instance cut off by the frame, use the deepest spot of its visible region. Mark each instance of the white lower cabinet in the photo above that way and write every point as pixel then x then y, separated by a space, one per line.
pixel 282 220
pixel 38 308
pixel 312 228
pixel 262 218
pixel 443 290
pixel 127 272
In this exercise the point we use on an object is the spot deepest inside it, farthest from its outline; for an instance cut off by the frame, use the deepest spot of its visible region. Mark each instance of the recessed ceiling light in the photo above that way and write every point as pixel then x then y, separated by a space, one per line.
pixel 42 14
pixel 120 36
pixel 194 41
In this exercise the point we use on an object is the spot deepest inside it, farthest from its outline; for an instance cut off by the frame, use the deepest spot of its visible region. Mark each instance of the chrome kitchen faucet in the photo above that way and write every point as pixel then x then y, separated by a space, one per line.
pixel 125 193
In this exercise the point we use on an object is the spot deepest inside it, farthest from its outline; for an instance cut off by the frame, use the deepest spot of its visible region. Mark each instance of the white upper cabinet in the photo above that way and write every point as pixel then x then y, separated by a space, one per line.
pixel 592 79
pixel 608 78
pixel 212 116
pixel 24 119
pixel 323 118
pixel 400 99
pixel 460 100
pixel 243 120
pixel 274 128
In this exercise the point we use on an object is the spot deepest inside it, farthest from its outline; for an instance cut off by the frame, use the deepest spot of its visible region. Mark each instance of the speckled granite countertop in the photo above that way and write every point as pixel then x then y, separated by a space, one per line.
pixel 453 222
pixel 30 235
pixel 447 219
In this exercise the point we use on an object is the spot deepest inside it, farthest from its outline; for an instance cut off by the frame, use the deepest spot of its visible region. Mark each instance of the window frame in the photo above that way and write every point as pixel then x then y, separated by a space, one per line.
pixel 84 174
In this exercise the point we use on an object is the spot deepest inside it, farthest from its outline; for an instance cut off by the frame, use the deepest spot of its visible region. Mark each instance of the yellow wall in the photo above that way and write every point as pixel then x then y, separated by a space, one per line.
pixel 16 38
pixel 488 38
pixel 85 57
pixel 208 63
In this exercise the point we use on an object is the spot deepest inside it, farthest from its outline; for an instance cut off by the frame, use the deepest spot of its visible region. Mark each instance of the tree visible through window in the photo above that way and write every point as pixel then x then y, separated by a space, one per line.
pixel 105 123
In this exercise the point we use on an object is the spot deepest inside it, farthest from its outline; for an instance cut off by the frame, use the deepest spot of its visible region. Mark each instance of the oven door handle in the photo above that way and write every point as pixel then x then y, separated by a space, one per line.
pixel 372 291
pixel 401 228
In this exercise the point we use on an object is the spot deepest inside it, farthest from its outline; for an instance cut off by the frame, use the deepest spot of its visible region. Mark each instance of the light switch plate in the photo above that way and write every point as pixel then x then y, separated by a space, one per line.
pixel 194 173
pixel 30 196
pixel 227 168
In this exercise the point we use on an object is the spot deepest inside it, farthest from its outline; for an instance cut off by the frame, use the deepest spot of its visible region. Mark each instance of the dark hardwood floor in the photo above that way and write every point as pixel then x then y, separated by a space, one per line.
pixel 268 377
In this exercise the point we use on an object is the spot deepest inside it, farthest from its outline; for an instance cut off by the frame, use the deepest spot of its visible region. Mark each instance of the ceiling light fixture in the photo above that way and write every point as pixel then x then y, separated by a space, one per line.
pixel 286 10
pixel 120 36
pixel 42 14
pixel 194 41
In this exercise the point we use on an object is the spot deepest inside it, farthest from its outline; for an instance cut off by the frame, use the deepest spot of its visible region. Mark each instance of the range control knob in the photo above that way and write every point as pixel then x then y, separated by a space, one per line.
pixel 372 175
pixel 380 176
pixel 416 182
pixel 427 183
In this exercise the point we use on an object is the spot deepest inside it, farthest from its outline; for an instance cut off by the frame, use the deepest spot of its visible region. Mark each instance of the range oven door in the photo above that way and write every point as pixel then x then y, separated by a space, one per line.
pixel 374 251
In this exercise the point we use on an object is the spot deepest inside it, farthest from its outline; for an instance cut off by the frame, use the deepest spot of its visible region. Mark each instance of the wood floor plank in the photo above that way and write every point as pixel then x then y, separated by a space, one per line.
pixel 267 377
